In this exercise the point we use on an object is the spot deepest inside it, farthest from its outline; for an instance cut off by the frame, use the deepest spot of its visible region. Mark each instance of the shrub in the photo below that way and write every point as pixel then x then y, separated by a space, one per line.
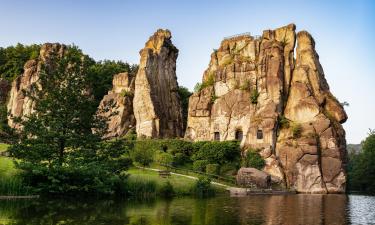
pixel 253 159
pixel 296 130
pixel 254 96
pixel 218 152
pixel 208 82
pixel 180 159
pixel 126 93
pixel 164 158
pixel 166 190
pixel 229 169
pixel 93 178
pixel 202 187
pixel 200 165
pixel 175 146
pixel 283 122
pixel 143 152
pixel 212 169
pixel 213 98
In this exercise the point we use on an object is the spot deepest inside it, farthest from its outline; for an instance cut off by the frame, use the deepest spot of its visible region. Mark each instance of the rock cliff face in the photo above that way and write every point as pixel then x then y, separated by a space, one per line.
pixel 4 89
pixel 157 106
pixel 117 105
pixel 20 105
pixel 255 91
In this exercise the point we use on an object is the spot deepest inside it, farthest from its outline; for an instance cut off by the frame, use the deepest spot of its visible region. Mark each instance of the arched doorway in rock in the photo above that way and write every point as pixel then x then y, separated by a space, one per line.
pixel 217 136
pixel 259 134
pixel 238 135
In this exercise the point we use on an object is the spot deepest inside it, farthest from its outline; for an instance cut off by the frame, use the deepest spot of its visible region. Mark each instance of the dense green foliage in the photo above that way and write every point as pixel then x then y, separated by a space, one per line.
pixel 143 153
pixel 218 152
pixel 13 58
pixel 253 159
pixel 361 169
pixel 200 165
pixel 213 168
pixel 184 94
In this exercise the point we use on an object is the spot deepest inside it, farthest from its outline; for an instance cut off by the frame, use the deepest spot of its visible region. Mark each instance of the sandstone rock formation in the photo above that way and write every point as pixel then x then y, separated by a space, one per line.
pixel 248 176
pixel 4 89
pixel 117 105
pixel 255 91
pixel 157 106
pixel 20 105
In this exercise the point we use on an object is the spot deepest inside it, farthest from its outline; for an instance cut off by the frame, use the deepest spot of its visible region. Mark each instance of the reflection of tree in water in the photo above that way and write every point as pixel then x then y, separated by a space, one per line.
pixel 276 209
pixel 62 211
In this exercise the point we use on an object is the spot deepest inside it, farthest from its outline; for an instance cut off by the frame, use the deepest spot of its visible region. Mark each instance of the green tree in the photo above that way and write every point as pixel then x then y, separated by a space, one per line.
pixel 184 94
pixel 361 169
pixel 13 59
pixel 64 112
pixel 143 152
pixel 57 149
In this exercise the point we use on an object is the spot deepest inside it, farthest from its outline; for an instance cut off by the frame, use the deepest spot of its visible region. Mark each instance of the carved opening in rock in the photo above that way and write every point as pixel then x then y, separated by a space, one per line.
pixel 259 134
pixel 238 135
pixel 217 136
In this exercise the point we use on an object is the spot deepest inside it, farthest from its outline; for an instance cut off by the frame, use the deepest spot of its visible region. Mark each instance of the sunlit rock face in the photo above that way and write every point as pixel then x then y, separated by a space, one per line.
pixel 20 105
pixel 157 106
pixel 256 91
pixel 117 106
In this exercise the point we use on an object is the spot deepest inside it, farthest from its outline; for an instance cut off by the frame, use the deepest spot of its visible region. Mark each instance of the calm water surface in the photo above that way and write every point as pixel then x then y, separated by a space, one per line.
pixel 222 210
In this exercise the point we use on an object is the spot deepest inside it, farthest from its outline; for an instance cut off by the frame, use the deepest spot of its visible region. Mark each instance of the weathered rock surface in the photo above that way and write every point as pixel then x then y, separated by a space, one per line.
pixel 157 106
pixel 254 90
pixel 4 89
pixel 117 106
pixel 249 176
pixel 20 105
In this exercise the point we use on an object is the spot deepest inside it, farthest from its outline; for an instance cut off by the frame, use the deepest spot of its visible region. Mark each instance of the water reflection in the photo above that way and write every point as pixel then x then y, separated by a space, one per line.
pixel 281 209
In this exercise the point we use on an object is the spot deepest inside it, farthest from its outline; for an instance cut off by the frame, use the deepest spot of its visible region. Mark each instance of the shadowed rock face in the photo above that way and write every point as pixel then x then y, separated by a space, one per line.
pixel 254 90
pixel 4 89
pixel 117 105
pixel 157 106
pixel 19 105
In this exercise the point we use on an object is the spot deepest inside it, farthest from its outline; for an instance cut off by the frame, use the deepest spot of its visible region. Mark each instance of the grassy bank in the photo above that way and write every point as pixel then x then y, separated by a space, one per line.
pixel 145 182
pixel 10 183
pixel 3 147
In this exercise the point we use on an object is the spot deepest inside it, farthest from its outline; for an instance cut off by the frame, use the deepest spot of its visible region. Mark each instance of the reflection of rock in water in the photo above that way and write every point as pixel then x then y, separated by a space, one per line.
pixel 222 210
pixel 294 209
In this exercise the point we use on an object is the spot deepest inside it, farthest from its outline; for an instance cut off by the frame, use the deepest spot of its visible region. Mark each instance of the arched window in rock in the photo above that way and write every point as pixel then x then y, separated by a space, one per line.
pixel 259 134
pixel 217 136
pixel 238 135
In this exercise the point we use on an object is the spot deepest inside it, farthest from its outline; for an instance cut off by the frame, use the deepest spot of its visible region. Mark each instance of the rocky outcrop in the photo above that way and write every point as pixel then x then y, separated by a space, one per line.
pixel 254 90
pixel 20 105
pixel 249 176
pixel 314 158
pixel 117 106
pixel 157 106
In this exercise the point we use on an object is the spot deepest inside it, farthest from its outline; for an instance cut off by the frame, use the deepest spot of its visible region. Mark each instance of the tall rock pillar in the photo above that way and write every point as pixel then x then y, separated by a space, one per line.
pixel 157 106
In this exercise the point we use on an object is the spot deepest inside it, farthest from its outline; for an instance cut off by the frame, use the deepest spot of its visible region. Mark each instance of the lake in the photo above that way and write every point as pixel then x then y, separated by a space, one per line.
pixel 221 210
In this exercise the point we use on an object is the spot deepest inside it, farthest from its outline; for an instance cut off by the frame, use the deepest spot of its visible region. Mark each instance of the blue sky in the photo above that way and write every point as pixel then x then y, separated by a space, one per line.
pixel 344 32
